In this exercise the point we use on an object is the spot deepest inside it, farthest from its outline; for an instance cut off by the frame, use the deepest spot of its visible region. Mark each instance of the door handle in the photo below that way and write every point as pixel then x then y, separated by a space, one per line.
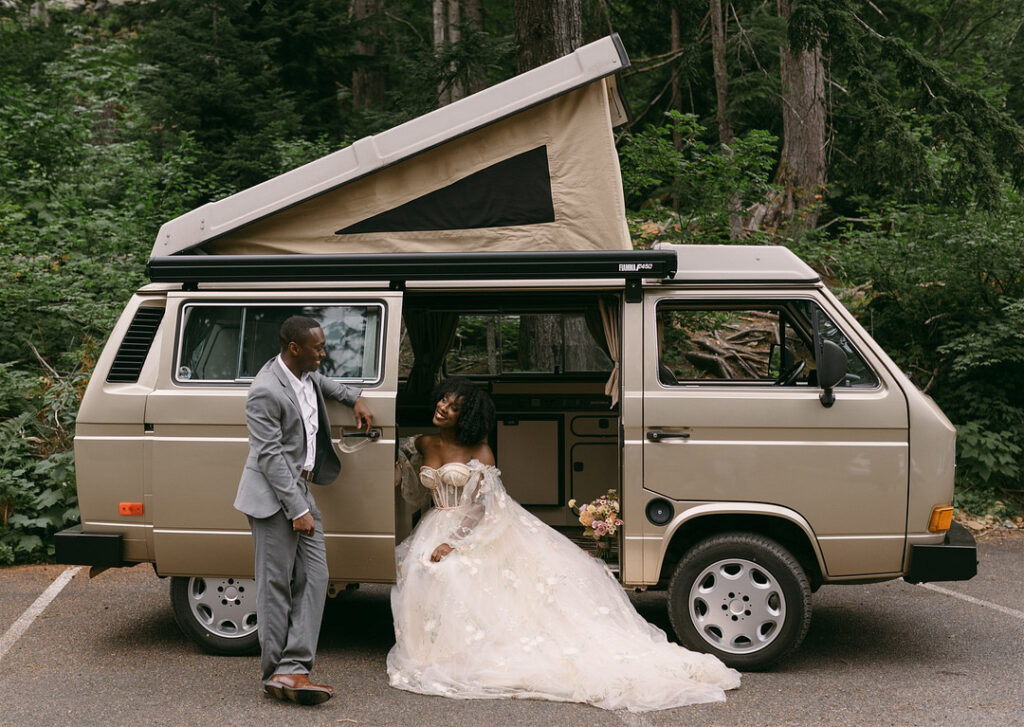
pixel 374 434
pixel 656 435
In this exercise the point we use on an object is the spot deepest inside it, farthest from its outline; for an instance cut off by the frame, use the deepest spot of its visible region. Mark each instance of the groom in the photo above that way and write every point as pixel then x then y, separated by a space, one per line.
pixel 289 447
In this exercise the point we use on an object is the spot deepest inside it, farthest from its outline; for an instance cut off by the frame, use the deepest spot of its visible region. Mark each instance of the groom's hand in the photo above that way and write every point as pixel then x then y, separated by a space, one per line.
pixel 362 414
pixel 304 524
pixel 439 552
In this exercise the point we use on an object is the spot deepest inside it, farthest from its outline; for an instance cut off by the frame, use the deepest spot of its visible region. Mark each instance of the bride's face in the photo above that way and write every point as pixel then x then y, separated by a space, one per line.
pixel 446 412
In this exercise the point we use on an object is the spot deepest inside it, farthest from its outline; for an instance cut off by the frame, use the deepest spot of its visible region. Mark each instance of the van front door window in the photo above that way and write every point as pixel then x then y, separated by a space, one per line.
pixel 748 342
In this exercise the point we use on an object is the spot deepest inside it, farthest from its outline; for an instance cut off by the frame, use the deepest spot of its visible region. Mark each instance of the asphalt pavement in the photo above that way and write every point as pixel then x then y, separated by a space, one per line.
pixel 107 651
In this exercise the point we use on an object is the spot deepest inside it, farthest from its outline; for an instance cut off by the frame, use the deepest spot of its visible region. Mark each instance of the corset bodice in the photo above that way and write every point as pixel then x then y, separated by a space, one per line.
pixel 445 483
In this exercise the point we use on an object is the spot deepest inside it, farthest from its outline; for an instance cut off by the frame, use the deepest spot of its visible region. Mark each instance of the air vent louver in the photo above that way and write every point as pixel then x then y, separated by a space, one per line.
pixel 135 347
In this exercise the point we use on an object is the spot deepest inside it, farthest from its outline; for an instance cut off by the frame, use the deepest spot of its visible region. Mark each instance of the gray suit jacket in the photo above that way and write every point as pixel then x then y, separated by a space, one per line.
pixel 277 443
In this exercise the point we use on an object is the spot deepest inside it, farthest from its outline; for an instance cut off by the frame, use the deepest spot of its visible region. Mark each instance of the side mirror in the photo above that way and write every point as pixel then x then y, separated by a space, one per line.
pixel 832 366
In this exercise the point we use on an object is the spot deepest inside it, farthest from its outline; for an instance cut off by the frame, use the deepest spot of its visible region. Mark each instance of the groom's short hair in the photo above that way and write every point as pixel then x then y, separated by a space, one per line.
pixel 296 329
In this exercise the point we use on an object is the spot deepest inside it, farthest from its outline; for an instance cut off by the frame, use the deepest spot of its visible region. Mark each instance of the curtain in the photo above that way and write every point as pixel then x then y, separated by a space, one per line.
pixel 431 335
pixel 612 332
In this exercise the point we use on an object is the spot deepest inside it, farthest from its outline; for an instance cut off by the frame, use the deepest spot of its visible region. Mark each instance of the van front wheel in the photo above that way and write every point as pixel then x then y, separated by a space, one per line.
pixel 219 614
pixel 742 597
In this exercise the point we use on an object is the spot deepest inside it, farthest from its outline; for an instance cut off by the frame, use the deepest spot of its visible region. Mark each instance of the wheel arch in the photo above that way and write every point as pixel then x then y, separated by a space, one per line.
pixel 784 526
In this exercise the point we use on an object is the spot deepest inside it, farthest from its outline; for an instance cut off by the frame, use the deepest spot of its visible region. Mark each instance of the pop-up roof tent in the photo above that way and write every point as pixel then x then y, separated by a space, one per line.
pixel 528 164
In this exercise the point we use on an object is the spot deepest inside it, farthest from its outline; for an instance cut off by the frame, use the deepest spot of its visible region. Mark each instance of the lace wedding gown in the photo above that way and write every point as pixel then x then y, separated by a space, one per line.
pixel 518 610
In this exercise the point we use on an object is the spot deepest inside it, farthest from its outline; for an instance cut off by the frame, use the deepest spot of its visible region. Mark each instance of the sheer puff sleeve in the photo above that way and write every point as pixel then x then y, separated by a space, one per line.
pixel 407 477
pixel 484 509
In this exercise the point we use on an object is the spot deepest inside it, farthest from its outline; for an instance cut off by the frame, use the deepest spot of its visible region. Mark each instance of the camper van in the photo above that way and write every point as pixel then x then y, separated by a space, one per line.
pixel 760 442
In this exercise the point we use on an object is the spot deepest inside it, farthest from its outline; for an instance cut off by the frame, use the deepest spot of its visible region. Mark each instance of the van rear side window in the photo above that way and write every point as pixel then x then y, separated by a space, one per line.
pixel 231 342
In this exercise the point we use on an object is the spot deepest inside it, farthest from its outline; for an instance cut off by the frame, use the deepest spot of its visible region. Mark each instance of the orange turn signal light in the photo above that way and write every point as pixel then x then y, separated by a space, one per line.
pixel 942 518
pixel 129 508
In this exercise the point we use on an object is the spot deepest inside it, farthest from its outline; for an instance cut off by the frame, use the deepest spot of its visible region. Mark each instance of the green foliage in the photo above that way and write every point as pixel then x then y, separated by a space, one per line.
pixel 693 189
pixel 37 495
pixel 117 119
pixel 82 194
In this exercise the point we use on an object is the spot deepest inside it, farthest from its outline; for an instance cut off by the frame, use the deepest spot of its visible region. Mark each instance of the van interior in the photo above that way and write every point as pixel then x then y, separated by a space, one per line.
pixel 546 363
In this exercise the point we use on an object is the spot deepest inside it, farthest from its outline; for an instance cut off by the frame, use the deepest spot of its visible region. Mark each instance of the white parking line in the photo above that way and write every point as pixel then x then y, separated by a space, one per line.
pixel 20 626
pixel 976 601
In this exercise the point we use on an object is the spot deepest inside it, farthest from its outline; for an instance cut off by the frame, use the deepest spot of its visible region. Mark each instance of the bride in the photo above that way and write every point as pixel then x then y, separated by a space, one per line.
pixel 490 602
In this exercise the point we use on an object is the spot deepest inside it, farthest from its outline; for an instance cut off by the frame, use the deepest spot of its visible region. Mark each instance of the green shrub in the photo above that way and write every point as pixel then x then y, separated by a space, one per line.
pixel 689 190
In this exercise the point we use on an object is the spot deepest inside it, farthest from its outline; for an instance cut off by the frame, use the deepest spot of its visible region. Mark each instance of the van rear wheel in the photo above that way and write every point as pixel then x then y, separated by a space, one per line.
pixel 219 614
pixel 742 597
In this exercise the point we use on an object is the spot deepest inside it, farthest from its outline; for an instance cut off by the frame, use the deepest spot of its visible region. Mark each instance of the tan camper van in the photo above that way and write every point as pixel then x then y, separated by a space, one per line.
pixel 762 443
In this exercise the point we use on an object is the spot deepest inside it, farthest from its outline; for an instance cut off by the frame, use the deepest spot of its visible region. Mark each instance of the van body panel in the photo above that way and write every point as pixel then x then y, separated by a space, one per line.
pixel 844 469
pixel 658 539
pixel 932 439
pixel 110 442
pixel 197 445
pixel 932 461
pixel 634 561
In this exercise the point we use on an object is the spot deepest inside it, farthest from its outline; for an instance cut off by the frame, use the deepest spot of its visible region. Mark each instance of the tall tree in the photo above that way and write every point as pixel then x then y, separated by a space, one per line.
pixel 801 173
pixel 726 137
pixel 447 38
pixel 367 79
pixel 546 30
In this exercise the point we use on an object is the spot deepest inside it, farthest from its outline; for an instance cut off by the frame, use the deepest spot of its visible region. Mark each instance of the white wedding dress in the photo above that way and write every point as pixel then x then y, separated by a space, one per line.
pixel 518 610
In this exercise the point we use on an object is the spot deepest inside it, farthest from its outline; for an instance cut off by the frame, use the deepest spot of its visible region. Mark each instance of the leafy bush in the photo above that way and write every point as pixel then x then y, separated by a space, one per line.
pixel 82 194
pixel 692 190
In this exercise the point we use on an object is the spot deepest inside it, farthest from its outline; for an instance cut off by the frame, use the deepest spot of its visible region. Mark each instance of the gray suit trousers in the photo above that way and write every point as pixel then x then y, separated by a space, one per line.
pixel 291 583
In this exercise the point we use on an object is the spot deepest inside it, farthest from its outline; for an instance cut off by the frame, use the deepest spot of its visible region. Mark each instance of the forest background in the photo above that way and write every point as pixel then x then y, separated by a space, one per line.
pixel 881 140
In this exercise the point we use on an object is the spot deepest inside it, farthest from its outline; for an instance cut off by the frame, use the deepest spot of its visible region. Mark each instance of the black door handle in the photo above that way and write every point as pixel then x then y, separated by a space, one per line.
pixel 372 434
pixel 657 435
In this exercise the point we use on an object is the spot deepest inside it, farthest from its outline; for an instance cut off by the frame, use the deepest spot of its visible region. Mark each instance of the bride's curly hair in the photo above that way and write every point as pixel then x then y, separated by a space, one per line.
pixel 476 412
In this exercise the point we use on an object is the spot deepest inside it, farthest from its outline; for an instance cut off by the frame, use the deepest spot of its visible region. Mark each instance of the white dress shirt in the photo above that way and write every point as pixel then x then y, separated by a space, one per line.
pixel 304 392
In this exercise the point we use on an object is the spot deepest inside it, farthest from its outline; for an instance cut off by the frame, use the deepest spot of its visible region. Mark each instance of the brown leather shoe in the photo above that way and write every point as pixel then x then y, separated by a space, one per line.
pixel 297 688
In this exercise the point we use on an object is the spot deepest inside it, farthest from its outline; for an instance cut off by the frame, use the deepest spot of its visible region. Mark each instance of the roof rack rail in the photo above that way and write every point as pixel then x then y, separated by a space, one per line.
pixel 398 268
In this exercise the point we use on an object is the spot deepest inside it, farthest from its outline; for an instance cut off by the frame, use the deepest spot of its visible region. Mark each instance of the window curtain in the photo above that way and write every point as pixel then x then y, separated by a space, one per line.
pixel 611 323
pixel 431 335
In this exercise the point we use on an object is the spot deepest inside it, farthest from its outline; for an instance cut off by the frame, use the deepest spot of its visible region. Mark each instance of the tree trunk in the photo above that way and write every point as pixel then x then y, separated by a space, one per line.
pixel 492 346
pixel 725 132
pixel 725 135
pixel 556 344
pixel 473 17
pixel 802 171
pixel 367 80
pixel 456 88
pixel 546 30
pixel 444 96
pixel 676 102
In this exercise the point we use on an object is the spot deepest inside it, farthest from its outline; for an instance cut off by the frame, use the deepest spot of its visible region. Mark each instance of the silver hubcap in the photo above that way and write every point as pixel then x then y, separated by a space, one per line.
pixel 225 607
pixel 737 606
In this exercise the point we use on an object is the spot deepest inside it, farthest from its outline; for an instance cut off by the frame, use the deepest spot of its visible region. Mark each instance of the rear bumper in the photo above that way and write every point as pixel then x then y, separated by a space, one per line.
pixel 955 559
pixel 74 547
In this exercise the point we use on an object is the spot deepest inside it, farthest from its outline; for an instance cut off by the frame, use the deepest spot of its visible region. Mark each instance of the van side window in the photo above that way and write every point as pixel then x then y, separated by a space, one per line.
pixel 230 342
pixel 727 342
pixel 491 344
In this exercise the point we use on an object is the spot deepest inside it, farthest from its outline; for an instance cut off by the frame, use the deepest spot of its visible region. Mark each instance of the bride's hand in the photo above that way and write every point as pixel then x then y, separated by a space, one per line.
pixel 439 552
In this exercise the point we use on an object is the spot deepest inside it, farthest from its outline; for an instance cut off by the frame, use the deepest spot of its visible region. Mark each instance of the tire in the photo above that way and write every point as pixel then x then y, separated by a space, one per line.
pixel 219 614
pixel 742 597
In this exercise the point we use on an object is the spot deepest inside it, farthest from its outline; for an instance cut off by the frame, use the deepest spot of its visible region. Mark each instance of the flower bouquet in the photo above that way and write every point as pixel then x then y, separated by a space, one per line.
pixel 600 520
